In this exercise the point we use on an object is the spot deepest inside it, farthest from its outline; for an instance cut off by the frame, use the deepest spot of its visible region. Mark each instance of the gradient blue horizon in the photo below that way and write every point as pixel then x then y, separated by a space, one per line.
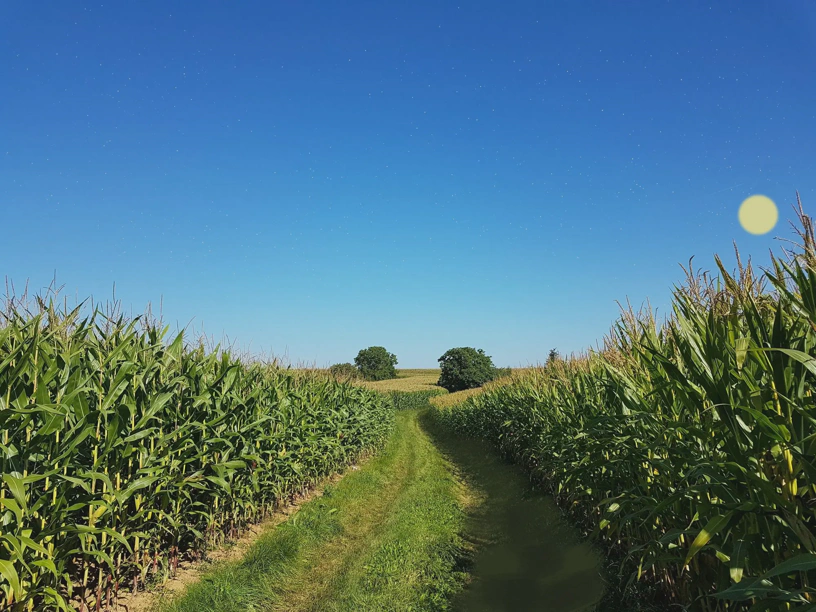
pixel 311 179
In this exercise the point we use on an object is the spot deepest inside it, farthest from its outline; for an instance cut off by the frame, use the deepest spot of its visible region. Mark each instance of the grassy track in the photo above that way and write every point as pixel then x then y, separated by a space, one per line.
pixel 525 555
pixel 384 538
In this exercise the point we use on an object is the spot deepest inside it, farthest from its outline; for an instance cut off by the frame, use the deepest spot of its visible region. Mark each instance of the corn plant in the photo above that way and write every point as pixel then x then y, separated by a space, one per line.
pixel 123 450
pixel 688 447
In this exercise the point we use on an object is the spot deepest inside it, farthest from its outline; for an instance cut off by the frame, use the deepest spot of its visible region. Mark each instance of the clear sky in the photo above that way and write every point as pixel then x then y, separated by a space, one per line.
pixel 311 178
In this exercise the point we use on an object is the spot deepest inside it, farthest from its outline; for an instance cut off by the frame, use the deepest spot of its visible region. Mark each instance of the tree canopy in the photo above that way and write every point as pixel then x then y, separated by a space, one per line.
pixel 376 363
pixel 465 368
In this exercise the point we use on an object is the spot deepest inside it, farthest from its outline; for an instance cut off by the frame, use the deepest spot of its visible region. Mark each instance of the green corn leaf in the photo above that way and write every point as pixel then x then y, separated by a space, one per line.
pixel 802 357
pixel 17 488
pixel 746 590
pixel 712 528
pixel 54 598
pixel 47 564
pixel 221 482
pixel 12 505
pixel 737 564
pixel 9 574
pixel 799 563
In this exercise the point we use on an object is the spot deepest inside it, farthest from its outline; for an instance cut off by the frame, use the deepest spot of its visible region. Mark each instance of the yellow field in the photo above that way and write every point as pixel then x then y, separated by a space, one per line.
pixel 423 381
pixel 411 373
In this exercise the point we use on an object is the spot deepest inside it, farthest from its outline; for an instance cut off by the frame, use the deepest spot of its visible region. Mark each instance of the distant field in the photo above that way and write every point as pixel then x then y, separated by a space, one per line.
pixel 419 380
pixel 411 373
pixel 425 380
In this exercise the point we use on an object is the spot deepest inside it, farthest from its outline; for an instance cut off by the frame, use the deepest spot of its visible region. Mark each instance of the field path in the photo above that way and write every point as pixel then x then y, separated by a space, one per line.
pixel 527 557
pixel 432 521
pixel 333 563
pixel 385 537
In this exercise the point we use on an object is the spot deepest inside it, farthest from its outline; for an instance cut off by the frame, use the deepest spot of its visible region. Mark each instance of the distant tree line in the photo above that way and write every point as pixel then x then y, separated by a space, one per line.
pixel 372 363
pixel 461 368
pixel 467 368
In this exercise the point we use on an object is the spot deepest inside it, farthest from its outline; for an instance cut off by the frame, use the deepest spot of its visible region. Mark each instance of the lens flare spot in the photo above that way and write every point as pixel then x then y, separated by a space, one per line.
pixel 758 214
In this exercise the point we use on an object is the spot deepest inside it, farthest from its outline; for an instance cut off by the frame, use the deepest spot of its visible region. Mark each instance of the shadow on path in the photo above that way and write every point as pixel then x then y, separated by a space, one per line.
pixel 526 556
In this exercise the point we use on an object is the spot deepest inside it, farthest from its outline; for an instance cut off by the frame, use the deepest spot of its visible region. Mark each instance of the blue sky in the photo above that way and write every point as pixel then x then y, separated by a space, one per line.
pixel 312 178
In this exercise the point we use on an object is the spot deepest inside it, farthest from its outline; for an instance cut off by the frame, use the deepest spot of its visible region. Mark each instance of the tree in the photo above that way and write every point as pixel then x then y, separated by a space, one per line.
pixel 465 368
pixel 553 356
pixel 376 363
pixel 344 371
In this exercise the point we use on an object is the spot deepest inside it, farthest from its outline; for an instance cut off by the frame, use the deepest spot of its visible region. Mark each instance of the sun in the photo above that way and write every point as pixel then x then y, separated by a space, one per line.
pixel 758 214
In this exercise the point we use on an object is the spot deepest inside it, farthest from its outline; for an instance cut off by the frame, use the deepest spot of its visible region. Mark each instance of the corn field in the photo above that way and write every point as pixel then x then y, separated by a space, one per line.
pixel 688 448
pixel 413 400
pixel 124 451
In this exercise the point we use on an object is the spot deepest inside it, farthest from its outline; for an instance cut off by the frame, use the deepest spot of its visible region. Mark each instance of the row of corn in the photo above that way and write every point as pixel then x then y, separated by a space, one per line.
pixel 687 447
pixel 123 452
pixel 412 400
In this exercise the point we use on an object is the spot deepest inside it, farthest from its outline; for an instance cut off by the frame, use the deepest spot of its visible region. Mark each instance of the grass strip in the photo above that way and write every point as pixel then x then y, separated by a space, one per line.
pixel 384 538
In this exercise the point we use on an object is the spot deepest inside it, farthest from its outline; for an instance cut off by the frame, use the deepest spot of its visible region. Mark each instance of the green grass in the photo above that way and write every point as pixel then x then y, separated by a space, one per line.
pixel 384 538
pixel 522 554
